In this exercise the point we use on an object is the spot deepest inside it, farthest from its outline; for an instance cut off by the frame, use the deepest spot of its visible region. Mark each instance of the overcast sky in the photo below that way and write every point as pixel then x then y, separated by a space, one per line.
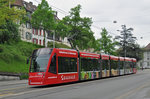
pixel 132 13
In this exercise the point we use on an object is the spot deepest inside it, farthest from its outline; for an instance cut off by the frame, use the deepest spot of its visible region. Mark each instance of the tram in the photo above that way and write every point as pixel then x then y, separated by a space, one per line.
pixel 58 65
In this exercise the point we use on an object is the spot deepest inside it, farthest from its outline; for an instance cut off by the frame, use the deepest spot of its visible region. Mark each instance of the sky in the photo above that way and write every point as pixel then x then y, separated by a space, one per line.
pixel 132 13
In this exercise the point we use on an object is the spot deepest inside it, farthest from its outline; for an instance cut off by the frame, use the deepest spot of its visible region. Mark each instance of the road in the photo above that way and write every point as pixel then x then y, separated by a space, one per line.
pixel 136 86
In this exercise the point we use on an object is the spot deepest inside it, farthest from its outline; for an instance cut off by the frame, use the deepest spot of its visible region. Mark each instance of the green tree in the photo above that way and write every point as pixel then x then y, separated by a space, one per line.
pixel 128 44
pixel 78 29
pixel 8 18
pixel 43 17
pixel 10 33
pixel 105 44
pixel 9 13
pixel 133 50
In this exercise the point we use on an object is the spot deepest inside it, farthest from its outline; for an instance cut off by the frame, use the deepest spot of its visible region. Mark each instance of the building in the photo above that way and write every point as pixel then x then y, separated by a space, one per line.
pixel 28 33
pixel 145 62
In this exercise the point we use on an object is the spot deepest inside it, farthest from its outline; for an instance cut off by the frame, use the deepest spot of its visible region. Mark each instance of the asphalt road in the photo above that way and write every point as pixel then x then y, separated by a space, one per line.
pixel 136 86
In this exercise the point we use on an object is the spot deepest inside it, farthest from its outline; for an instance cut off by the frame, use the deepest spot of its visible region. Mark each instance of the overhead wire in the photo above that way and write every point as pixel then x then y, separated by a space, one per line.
pixel 65 13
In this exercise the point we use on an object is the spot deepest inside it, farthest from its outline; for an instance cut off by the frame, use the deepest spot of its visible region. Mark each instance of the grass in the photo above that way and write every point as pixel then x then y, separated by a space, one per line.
pixel 13 56
pixel 58 45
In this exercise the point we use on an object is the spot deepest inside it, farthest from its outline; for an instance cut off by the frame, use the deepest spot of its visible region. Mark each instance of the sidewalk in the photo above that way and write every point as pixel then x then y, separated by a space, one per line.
pixel 12 82
pixel 6 78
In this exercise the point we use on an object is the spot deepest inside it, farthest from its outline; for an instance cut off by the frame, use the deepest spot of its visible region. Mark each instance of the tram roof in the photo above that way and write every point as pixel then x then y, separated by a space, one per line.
pixel 89 55
pixel 128 59
pixel 121 58
pixel 133 59
pixel 114 57
pixel 66 52
pixel 104 57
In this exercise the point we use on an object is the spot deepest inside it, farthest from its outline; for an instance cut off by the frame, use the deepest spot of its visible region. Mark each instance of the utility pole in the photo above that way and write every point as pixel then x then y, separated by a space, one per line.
pixel 54 39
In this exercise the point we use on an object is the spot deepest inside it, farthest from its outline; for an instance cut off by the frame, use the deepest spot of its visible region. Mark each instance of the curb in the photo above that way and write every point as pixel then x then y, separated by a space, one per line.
pixel 11 76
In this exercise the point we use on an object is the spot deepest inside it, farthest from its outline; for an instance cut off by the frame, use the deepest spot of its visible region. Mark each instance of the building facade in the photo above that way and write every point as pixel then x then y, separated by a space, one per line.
pixel 145 62
pixel 30 34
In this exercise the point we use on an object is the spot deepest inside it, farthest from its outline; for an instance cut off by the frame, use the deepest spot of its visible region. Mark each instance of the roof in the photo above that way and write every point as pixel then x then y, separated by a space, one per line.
pixel 18 3
pixel 28 6
pixel 147 47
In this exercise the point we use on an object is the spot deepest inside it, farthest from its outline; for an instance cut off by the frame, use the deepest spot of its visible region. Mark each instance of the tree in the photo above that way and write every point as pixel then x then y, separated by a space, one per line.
pixel 43 17
pixel 125 39
pixel 78 29
pixel 9 13
pixel 105 44
pixel 8 18
pixel 128 45
pixel 10 33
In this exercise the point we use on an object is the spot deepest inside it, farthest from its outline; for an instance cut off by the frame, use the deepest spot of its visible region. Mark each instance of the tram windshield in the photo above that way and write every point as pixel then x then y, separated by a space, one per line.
pixel 39 59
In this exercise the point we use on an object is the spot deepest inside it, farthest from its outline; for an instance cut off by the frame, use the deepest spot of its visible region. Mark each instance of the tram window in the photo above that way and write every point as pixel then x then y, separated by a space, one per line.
pixel 131 65
pixel 121 64
pixel 105 64
pixel 128 65
pixel 52 68
pixel 134 65
pixel 114 64
pixel 67 64
pixel 89 64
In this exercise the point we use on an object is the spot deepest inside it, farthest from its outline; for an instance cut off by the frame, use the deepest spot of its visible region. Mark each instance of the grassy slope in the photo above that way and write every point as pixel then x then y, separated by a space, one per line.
pixel 13 57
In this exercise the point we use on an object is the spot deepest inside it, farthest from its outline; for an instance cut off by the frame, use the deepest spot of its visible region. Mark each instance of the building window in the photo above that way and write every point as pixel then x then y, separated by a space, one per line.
pixel 33 31
pixel 36 31
pixel 40 42
pixel 43 33
pixel 28 25
pixel 25 5
pixel 34 40
pixel 141 64
pixel 28 36
pixel 43 42
pixel 148 63
pixel 40 32
pixel 29 15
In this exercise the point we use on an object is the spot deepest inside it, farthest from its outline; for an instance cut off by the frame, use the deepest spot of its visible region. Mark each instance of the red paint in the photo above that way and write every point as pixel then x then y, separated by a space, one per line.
pixel 46 78
pixel 104 57
pixel 50 78
pixel 134 69
pixel 114 58
pixel 128 59
pixel 121 58
pixel 89 55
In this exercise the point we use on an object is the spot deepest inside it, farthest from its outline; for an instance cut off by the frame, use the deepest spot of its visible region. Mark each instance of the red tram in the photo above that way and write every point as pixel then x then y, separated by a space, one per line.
pixel 52 66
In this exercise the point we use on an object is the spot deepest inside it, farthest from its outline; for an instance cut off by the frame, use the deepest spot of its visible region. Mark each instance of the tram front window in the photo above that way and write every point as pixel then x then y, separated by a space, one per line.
pixel 40 60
